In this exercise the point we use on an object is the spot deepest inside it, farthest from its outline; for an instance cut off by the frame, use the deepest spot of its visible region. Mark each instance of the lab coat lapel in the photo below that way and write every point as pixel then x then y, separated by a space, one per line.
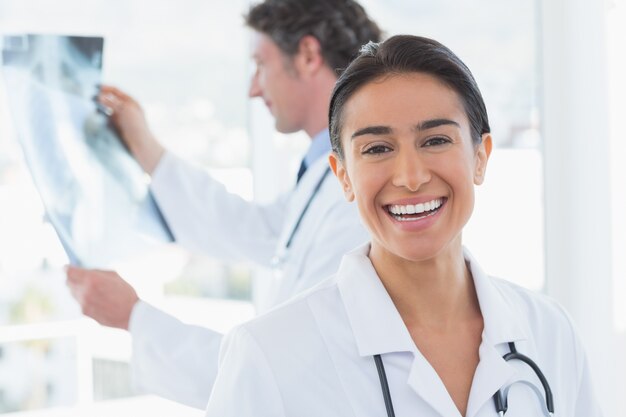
pixel 300 198
pixel 317 162
pixel 425 381
pixel 492 373
pixel 502 323
pixel 286 259
pixel 501 326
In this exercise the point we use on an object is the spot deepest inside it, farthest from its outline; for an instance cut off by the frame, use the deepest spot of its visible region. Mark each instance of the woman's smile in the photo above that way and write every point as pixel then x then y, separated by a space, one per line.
pixel 409 211
pixel 415 214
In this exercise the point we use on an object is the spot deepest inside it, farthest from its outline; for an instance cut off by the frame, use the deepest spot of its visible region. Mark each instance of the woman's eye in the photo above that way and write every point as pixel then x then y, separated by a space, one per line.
pixel 437 141
pixel 376 149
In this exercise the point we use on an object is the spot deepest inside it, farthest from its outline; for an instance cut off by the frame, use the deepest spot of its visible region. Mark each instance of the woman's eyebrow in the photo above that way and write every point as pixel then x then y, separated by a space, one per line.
pixel 386 130
pixel 372 130
pixel 430 124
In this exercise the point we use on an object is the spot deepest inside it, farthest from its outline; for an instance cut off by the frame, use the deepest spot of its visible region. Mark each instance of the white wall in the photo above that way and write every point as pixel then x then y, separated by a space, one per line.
pixel 577 177
pixel 616 47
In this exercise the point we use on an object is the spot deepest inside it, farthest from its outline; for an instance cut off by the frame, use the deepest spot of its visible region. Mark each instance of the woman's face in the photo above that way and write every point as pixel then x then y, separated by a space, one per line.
pixel 410 164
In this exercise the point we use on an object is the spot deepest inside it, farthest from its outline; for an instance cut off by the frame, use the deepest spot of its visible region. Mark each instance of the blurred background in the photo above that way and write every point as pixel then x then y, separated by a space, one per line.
pixel 550 215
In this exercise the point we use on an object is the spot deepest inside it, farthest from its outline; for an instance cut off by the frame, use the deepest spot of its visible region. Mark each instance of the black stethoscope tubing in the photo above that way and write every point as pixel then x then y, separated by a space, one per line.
pixel 306 207
pixel 499 398
pixel 383 384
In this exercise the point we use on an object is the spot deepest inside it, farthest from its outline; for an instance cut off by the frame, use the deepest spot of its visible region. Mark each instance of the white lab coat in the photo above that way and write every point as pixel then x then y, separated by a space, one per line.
pixel 179 361
pixel 312 356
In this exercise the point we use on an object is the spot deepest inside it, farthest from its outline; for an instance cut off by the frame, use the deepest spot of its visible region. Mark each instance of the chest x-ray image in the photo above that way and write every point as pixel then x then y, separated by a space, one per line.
pixel 96 196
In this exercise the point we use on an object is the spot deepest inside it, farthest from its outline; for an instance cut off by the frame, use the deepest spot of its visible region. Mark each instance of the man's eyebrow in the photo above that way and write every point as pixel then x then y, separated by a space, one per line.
pixel 372 130
pixel 430 124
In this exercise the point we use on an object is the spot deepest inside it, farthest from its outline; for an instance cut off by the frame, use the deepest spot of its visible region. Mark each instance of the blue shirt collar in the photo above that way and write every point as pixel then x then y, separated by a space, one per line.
pixel 320 146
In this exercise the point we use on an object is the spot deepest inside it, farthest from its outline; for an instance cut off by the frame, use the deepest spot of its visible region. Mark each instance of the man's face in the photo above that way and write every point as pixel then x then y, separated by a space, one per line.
pixel 277 81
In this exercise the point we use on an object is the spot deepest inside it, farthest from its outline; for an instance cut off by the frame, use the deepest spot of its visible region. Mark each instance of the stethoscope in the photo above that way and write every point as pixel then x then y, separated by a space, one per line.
pixel 279 259
pixel 499 398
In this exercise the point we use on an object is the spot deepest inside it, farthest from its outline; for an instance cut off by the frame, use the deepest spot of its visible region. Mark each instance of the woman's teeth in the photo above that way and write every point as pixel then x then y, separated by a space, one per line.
pixel 429 208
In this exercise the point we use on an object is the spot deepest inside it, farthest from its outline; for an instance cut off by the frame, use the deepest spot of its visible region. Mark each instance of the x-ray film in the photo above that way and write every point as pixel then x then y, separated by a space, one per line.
pixel 95 194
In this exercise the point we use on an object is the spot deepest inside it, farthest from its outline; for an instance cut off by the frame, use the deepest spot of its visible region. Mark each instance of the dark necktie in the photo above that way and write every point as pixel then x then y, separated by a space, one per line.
pixel 301 171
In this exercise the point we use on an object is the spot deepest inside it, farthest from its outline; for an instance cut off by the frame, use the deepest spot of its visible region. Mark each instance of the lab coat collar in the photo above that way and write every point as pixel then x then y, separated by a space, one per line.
pixel 377 325
pixel 374 319
pixel 502 324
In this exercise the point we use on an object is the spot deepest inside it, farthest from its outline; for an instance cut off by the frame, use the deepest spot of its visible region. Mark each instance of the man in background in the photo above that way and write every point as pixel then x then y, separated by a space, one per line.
pixel 299 48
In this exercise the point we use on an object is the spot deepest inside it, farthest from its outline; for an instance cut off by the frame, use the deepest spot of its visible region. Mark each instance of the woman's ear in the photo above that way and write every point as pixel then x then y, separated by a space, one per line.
pixel 337 165
pixel 483 150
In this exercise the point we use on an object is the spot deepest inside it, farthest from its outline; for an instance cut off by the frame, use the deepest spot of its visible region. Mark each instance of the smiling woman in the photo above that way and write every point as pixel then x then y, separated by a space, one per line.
pixel 411 312
pixel 408 146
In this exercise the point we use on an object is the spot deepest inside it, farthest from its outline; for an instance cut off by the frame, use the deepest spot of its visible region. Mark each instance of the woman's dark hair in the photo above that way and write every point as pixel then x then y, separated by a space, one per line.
pixel 404 54
pixel 340 26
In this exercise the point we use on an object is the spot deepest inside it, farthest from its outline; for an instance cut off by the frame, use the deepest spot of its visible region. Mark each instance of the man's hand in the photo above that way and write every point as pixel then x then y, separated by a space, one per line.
pixel 102 295
pixel 127 117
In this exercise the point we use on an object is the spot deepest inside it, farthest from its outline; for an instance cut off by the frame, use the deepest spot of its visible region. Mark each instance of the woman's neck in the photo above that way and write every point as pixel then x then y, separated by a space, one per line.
pixel 437 292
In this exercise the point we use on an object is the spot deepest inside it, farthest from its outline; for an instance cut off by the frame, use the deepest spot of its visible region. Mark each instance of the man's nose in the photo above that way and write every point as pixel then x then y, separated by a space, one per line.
pixel 255 89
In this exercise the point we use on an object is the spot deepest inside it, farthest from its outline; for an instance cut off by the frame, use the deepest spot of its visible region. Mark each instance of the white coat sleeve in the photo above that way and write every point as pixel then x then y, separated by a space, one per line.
pixel 586 401
pixel 172 359
pixel 245 384
pixel 587 404
pixel 204 217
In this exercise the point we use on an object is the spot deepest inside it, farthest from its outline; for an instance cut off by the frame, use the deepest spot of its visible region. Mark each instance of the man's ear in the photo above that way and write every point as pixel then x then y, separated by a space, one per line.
pixel 309 58
pixel 483 150
pixel 337 165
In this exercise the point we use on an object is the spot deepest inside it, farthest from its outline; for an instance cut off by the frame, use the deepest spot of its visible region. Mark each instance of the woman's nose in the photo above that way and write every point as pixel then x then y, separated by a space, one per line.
pixel 410 171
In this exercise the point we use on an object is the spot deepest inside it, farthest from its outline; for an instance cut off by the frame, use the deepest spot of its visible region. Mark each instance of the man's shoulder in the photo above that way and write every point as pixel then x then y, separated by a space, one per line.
pixel 292 324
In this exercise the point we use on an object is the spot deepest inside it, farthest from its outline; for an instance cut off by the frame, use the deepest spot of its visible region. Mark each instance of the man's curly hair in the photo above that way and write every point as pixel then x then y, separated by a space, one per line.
pixel 340 26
